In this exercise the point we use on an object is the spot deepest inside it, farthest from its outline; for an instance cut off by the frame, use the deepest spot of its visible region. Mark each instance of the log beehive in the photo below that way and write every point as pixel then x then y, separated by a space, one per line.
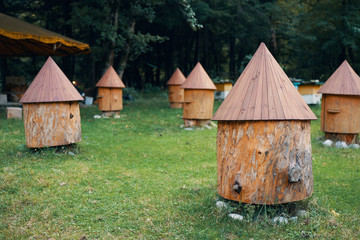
pixel 176 94
pixel 110 91
pixel 263 139
pixel 51 109
pixel 198 97
pixel 340 106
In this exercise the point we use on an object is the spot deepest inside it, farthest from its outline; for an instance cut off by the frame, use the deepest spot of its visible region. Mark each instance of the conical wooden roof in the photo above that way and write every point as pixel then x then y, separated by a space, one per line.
pixel 51 85
pixel 198 79
pixel 177 78
pixel 344 81
pixel 110 79
pixel 263 92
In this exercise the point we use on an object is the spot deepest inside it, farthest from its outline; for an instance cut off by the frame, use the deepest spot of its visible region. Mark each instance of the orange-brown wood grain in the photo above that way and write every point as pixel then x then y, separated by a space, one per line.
pixel 176 96
pixel 198 104
pixel 340 113
pixel 51 124
pixel 110 99
pixel 257 161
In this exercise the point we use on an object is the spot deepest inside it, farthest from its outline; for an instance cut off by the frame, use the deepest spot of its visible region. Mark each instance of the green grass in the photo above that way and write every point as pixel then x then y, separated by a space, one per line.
pixel 141 176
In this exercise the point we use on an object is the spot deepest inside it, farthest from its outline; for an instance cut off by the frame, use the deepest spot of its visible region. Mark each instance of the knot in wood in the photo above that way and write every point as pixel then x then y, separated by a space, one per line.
pixel 295 174
pixel 237 187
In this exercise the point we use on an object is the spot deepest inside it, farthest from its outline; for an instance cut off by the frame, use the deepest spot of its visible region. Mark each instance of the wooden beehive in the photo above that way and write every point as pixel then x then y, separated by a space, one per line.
pixel 198 97
pixel 340 107
pixel 51 109
pixel 110 91
pixel 176 94
pixel 263 139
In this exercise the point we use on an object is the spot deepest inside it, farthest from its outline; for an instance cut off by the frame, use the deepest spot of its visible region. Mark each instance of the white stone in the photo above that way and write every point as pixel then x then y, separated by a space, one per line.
pixel 182 126
pixel 341 144
pixel 188 129
pixel 213 124
pixel 280 220
pixel 293 219
pixel 302 213
pixel 207 126
pixel 356 146
pixel 328 143
pixel 97 116
pixel 116 116
pixel 221 205
pixel 71 153
pixel 236 216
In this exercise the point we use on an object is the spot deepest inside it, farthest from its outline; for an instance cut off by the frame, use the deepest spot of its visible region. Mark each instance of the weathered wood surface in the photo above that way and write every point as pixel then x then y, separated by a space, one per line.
pixel 176 96
pixel 308 89
pixel 198 104
pixel 264 162
pixel 110 99
pixel 340 114
pixel 51 124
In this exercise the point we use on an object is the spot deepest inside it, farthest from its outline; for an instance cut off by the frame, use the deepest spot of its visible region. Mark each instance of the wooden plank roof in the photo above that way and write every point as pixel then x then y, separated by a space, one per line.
pixel 198 79
pixel 344 81
pixel 51 85
pixel 263 92
pixel 110 79
pixel 177 78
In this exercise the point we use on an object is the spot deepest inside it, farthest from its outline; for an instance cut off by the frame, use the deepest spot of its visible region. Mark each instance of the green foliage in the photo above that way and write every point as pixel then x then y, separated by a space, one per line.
pixel 142 176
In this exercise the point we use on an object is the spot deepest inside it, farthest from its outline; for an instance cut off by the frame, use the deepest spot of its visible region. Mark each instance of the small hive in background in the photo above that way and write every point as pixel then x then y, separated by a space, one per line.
pixel 176 94
pixel 198 97
pixel 263 138
pixel 110 92
pixel 51 109
pixel 340 106
pixel 222 89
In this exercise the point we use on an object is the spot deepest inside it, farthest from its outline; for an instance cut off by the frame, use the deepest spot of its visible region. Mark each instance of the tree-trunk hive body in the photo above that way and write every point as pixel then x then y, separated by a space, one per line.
pixel 264 162
pixel 52 124
pixel 176 93
pixel 263 138
pixel 51 109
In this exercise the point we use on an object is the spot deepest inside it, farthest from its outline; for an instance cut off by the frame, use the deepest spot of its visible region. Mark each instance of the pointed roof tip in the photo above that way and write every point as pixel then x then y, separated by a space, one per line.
pixel 263 92
pixel 110 79
pixel 198 79
pixel 51 85
pixel 344 81
pixel 177 78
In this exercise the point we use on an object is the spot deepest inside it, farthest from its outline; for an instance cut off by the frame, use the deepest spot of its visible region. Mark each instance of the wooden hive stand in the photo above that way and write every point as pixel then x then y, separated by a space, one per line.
pixel 51 109
pixel 263 138
pixel 340 106
pixel 198 97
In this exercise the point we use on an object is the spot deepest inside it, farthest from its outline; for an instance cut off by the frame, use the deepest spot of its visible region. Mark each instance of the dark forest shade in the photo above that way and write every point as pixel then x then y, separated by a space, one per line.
pixel 263 138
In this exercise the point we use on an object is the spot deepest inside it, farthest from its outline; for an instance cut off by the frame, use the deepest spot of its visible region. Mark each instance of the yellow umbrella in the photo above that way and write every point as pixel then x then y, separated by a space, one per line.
pixel 19 38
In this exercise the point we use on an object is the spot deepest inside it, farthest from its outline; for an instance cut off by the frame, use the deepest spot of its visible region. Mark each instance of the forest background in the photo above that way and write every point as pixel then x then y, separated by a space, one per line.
pixel 145 40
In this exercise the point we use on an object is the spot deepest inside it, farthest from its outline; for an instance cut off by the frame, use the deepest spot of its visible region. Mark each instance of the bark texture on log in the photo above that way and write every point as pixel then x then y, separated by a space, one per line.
pixel 176 96
pixel 51 124
pixel 198 104
pixel 110 99
pixel 340 114
pixel 264 162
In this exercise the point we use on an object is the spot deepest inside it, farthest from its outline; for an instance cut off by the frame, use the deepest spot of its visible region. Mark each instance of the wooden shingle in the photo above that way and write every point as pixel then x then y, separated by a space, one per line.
pixel 263 92
pixel 177 78
pixel 110 79
pixel 51 85
pixel 344 81
pixel 198 79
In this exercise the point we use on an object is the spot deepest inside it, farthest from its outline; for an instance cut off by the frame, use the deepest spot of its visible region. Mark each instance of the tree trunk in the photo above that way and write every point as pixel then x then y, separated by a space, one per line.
pixel 264 162
pixel 125 56
pixel 3 71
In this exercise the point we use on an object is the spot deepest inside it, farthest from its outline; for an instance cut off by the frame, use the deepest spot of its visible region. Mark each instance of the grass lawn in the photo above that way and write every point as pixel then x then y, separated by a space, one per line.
pixel 142 176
